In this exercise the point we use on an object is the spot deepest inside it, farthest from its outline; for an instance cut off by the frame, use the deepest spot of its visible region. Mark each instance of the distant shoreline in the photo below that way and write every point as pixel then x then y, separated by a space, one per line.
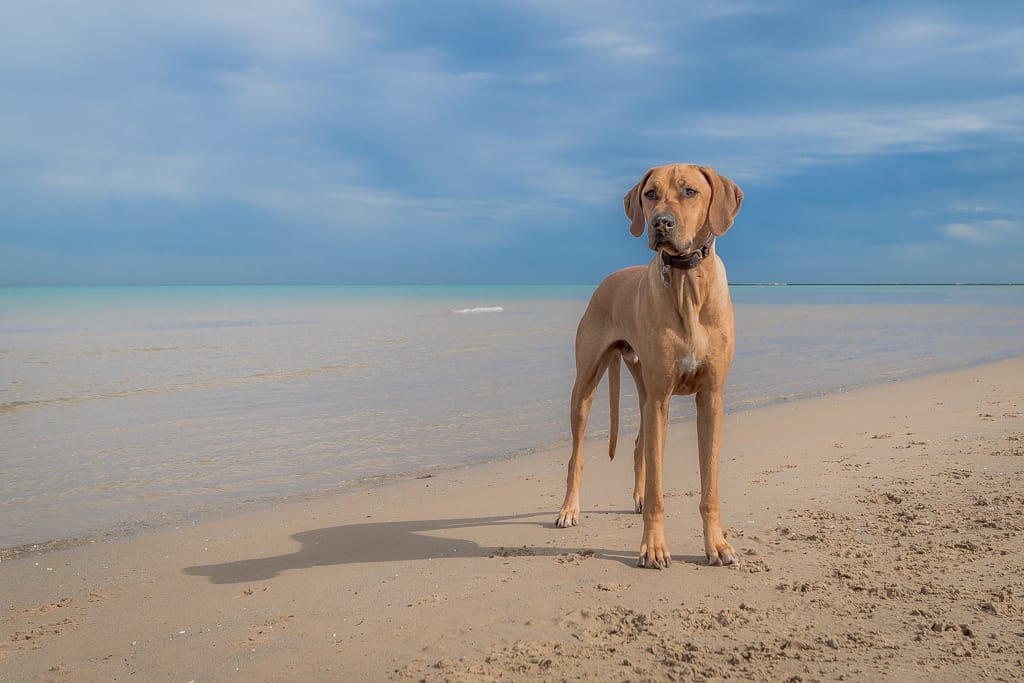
pixel 241 285
pixel 876 284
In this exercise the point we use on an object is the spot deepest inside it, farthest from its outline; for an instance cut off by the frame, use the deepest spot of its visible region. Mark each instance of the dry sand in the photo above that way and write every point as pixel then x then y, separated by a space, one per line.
pixel 881 533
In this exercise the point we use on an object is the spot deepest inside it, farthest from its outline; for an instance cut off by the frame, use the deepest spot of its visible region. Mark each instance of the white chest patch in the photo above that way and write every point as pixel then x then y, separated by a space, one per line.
pixel 688 364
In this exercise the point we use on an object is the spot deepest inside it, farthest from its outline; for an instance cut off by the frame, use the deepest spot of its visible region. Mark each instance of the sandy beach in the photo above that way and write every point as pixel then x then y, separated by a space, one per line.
pixel 881 532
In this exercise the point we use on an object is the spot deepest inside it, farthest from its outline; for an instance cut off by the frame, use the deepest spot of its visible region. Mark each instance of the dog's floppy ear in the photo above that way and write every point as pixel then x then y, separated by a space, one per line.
pixel 634 209
pixel 726 198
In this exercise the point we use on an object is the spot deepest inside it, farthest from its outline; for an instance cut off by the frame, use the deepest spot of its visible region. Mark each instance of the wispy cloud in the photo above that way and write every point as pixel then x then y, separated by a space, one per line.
pixel 613 42
pixel 933 35
pixel 907 43
pixel 127 175
pixel 792 141
pixel 981 232
pixel 298 30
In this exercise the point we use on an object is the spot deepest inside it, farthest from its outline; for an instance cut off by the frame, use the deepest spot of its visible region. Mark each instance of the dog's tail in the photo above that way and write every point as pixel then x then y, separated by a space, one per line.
pixel 614 382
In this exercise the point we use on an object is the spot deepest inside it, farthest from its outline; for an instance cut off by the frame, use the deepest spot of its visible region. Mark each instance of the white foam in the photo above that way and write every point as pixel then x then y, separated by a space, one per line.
pixel 480 309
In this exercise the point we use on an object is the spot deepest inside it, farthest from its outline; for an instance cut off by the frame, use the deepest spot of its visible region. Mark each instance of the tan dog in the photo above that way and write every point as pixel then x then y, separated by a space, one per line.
pixel 672 323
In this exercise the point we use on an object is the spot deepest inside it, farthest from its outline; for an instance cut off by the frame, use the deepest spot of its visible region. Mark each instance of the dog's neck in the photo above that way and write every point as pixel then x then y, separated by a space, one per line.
pixel 684 290
pixel 675 267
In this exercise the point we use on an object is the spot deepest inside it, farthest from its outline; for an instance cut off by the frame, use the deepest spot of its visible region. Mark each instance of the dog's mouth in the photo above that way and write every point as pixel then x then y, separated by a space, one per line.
pixel 662 243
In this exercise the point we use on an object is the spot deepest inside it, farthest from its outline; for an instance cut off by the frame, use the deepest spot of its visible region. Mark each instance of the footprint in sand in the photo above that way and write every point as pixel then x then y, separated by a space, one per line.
pixel 575 558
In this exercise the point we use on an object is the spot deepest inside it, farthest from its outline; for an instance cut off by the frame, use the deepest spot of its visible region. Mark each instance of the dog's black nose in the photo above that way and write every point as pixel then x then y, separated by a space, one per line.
pixel 663 221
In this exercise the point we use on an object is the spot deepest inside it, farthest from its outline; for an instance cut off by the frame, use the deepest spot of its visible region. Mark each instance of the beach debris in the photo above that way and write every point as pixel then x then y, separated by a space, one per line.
pixel 428 600
pixel 613 587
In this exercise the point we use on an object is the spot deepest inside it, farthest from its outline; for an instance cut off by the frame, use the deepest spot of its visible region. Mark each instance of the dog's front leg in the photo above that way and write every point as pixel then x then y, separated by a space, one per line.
pixel 579 411
pixel 709 435
pixel 654 423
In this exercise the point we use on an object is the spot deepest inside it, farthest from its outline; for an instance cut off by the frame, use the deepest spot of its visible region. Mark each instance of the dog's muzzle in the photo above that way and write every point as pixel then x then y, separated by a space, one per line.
pixel 663 226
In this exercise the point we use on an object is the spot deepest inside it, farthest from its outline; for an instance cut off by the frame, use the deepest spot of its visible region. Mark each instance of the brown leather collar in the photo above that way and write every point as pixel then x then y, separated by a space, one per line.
pixel 689 260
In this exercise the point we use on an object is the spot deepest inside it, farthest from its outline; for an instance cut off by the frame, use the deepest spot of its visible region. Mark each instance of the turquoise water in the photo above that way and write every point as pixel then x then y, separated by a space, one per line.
pixel 122 407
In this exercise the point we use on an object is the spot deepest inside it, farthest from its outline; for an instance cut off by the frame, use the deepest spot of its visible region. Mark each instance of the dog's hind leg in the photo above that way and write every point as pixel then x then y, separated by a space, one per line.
pixel 638 470
pixel 638 445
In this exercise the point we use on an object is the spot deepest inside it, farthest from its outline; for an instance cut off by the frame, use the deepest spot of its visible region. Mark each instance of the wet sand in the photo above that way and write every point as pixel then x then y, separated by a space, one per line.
pixel 881 533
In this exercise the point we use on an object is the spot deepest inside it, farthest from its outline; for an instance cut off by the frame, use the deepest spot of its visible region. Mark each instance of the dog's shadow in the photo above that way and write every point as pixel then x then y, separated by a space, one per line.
pixel 373 542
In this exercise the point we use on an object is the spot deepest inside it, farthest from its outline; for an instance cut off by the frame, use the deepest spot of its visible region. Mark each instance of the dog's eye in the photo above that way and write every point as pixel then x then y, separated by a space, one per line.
pixel 689 192
pixel 651 194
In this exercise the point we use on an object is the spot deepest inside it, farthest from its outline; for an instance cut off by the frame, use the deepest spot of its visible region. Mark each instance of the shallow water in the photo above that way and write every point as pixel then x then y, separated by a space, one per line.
pixel 127 406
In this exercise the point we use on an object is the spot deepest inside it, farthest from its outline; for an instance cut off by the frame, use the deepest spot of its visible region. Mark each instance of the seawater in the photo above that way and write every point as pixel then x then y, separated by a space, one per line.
pixel 122 407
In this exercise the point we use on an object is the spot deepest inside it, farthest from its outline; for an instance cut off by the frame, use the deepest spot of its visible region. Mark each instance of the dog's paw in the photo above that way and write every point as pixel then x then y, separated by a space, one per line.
pixel 568 517
pixel 654 553
pixel 721 555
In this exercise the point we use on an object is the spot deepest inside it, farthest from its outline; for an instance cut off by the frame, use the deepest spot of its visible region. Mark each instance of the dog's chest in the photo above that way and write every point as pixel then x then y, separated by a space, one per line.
pixel 687 372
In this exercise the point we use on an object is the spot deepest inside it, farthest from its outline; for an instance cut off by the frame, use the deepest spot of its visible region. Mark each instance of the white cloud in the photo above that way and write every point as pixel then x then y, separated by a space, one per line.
pixel 892 42
pixel 927 38
pixel 962 207
pixel 627 33
pixel 106 174
pixel 613 42
pixel 652 12
pixel 981 232
pixel 257 90
pixel 910 34
pixel 293 30
pixel 767 144
pixel 925 127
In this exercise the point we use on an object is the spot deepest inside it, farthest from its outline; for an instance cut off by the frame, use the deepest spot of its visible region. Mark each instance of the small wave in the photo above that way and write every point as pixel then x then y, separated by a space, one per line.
pixel 480 309
pixel 304 373
pixel 15 405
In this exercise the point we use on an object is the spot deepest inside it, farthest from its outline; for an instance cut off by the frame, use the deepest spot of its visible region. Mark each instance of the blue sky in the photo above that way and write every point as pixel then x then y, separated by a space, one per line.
pixel 491 142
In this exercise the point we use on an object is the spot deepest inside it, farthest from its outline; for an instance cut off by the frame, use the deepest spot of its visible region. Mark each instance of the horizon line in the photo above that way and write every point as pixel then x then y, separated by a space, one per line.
pixel 502 284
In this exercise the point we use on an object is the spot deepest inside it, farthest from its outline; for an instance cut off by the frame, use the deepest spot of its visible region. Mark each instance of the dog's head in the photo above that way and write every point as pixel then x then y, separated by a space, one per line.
pixel 681 203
